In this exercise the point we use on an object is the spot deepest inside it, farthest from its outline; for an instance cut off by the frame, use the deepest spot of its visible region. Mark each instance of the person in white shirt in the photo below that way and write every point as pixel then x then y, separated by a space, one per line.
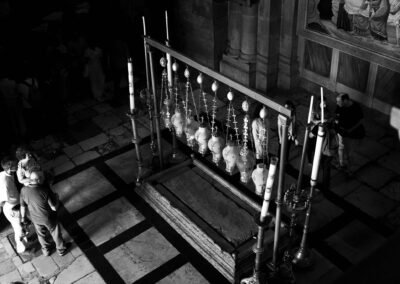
pixel 10 200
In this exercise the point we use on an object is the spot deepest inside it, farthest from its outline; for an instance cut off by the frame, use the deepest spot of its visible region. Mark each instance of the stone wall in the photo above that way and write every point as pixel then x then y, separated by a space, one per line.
pixel 199 29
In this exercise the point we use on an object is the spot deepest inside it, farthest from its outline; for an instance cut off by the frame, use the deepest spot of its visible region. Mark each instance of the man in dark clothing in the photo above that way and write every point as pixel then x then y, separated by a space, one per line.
pixel 349 127
pixel 42 204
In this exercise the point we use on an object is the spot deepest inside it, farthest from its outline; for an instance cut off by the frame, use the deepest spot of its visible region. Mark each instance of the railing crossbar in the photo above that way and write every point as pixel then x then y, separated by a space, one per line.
pixel 219 77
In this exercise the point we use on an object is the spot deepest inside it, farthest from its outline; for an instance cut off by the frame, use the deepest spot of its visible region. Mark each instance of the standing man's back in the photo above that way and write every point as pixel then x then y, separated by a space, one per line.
pixel 42 204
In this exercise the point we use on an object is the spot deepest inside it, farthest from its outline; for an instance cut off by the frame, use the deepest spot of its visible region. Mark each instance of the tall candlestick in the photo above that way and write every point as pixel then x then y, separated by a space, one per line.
pixel 166 23
pixel 322 105
pixel 268 188
pixel 131 89
pixel 310 110
pixel 144 26
pixel 317 155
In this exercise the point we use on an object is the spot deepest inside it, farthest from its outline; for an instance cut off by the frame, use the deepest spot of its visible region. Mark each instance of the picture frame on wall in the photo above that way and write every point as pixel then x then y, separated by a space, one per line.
pixel 366 29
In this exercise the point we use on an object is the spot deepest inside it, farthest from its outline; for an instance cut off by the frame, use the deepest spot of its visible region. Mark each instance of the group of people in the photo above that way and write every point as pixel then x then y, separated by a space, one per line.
pixel 26 196
pixel 343 133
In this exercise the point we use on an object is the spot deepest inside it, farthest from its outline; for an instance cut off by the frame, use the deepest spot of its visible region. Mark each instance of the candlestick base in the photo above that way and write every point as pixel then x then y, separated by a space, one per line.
pixel 303 258
pixel 282 274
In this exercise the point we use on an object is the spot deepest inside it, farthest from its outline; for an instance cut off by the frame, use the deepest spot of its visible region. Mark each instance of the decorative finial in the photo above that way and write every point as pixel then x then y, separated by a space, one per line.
pixel 187 73
pixel 175 66
pixel 230 96
pixel 163 62
pixel 245 106
pixel 200 79
pixel 214 86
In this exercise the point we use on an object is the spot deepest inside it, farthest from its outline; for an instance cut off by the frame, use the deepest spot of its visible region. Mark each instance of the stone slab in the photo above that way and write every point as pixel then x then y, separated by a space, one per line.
pixel 184 274
pixel 370 201
pixel 220 212
pixel 323 271
pixel 391 190
pixel 82 189
pixel 93 142
pixel 85 157
pixel 355 241
pixel 73 150
pixel 92 278
pixel 107 120
pixel 391 162
pixel 375 176
pixel 141 255
pixel 110 220
pixel 77 270
pixel 11 277
pixel 45 266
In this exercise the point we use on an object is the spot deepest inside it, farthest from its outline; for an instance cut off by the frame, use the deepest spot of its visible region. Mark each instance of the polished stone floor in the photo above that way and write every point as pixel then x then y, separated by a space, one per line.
pixel 118 238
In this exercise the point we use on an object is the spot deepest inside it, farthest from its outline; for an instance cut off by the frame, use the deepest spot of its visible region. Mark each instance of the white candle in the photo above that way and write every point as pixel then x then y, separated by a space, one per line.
pixel 322 105
pixel 317 155
pixel 310 110
pixel 166 23
pixel 144 25
pixel 268 188
pixel 131 90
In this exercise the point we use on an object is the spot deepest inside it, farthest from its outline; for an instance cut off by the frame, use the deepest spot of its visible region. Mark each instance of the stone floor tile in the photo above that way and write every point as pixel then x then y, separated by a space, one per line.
pixel 17 261
pixel 73 150
pixel 63 167
pixel 108 147
pixel 141 255
pixel 110 220
pixel 320 270
pixel 63 261
pixel 125 164
pixel 75 250
pixel 45 265
pixel 116 131
pixel 392 219
pixel 27 271
pixel 78 269
pixel 83 130
pixel 107 120
pixel 3 254
pixel 369 174
pixel 342 185
pixel 124 139
pixel 56 162
pixel 392 190
pixel 6 266
pixel 92 142
pixel 92 278
pixel 323 212
pixel 184 274
pixel 7 246
pixel 11 277
pixel 36 280
pixel 85 157
pixel 355 241
pixel 102 108
pixel 370 201
pixel 82 189
pixel 358 161
pixel 391 162
pixel 371 149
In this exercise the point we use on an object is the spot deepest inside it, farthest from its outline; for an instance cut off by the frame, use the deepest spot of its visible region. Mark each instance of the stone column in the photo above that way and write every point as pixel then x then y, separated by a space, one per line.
pixel 242 68
pixel 268 32
pixel 248 42
pixel 288 64
pixel 234 28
